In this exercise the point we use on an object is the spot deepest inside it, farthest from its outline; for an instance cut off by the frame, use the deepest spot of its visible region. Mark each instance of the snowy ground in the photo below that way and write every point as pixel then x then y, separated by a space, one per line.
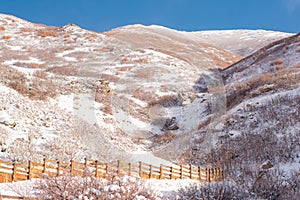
pixel 167 188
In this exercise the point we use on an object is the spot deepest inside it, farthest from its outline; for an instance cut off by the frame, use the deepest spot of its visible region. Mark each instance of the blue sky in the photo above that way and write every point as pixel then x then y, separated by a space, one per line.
pixel 189 15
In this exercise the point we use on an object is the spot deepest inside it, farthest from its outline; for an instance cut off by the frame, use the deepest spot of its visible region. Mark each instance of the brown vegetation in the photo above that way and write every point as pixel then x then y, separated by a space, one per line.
pixel 279 61
pixel 49 32
pixel 166 101
pixel 165 138
pixel 283 79
pixel 39 87
pixel 6 37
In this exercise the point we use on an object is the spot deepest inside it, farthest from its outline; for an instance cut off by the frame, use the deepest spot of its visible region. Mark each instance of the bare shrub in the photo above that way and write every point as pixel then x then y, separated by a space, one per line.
pixel 64 70
pixel 40 74
pixel 2 28
pixel 88 187
pixel 221 191
pixel 25 29
pixel 282 79
pixel 142 60
pixel 125 60
pixel 41 87
pixel 165 138
pixel 166 101
pixel 3 138
pixel 13 78
pixel 63 148
pixel 47 33
pixel 22 150
pixel 279 61
pixel 267 184
pixel 278 67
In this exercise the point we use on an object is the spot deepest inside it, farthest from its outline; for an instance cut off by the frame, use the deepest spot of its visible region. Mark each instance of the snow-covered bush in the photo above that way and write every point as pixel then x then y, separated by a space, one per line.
pixel 221 190
pixel 89 187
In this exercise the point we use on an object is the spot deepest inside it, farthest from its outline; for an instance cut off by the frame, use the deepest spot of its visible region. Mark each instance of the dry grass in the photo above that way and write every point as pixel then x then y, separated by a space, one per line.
pixel 283 79
pixel 26 30
pixel 279 61
pixel 166 101
pixel 278 67
pixel 105 100
pixel 143 95
pixel 6 37
pixel 29 65
pixel 64 70
pixel 47 32
pixel 142 61
pixel 109 77
pixel 125 60
pixel 39 87
pixel 165 138
pixel 13 78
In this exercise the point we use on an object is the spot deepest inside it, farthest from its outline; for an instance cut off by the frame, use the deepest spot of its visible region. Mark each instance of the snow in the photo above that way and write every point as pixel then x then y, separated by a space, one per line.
pixel 16 48
pixel 148 158
pixel 177 57
pixel 290 168
pixel 31 60
pixel 66 102
pixel 22 188
pixel 72 59
pixel 168 188
pixel 4 117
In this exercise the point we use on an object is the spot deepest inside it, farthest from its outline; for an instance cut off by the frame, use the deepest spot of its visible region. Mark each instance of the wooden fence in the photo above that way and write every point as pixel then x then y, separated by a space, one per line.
pixel 6 197
pixel 10 172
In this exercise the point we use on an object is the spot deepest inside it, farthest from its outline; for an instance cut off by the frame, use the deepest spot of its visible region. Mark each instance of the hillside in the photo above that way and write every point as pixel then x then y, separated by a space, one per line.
pixel 134 92
pixel 242 42
pixel 258 138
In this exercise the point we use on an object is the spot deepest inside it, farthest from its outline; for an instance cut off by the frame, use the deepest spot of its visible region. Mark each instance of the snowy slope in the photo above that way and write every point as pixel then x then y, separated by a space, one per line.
pixel 243 42
pixel 262 119
pixel 111 95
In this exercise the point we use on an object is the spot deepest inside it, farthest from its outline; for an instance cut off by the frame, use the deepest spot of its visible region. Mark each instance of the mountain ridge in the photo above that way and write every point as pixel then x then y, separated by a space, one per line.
pixel 86 77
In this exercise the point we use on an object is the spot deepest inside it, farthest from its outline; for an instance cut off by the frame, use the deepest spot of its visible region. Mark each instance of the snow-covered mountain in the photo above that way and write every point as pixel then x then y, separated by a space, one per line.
pixel 134 92
pixel 257 141
pixel 243 42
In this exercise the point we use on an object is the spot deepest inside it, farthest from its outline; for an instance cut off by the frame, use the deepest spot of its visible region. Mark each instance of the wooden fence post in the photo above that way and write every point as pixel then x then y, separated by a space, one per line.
pixel 106 168
pixel 181 171
pixel 129 169
pixel 72 167
pixel 96 168
pixel 85 164
pixel 199 172
pixel 191 171
pixel 222 171
pixel 172 176
pixel 14 175
pixel 44 165
pixel 29 170
pixel 118 167
pixel 161 172
pixel 140 169
pixel 151 171
pixel 58 168
pixel 85 169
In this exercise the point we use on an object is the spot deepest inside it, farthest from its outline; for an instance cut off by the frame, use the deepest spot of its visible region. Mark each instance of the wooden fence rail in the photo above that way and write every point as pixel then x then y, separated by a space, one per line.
pixel 10 172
